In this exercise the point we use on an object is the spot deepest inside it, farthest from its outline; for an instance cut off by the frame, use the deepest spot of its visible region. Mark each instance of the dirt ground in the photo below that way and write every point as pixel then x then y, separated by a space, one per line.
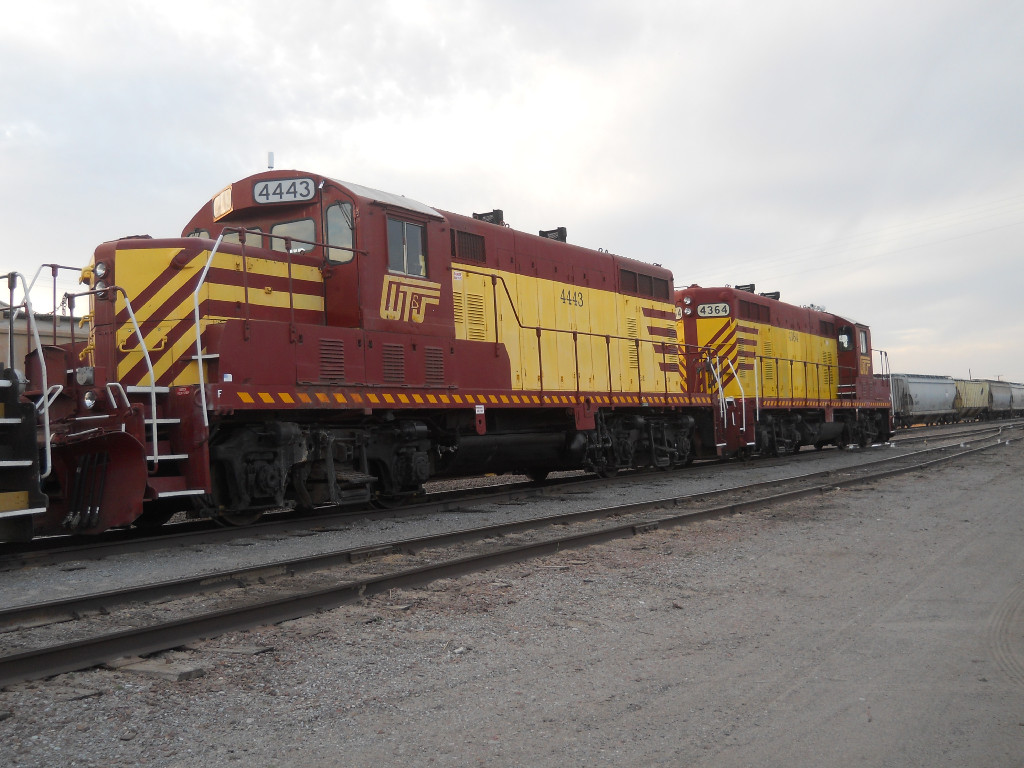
pixel 878 626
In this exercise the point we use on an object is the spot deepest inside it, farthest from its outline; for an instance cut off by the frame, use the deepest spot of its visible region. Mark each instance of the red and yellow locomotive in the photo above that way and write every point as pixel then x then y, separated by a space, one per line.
pixel 310 342
pixel 782 376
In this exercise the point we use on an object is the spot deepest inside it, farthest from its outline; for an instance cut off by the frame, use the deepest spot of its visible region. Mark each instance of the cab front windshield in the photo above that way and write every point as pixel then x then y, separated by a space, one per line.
pixel 298 235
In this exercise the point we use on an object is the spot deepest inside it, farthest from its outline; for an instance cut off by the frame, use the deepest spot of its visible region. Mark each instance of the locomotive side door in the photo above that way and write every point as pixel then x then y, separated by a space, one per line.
pixel 341 265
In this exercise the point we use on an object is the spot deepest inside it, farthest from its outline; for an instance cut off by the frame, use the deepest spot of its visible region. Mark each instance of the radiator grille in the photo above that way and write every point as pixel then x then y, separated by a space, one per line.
pixel 394 363
pixel 768 368
pixel 828 372
pixel 458 307
pixel 633 332
pixel 435 366
pixel 476 307
pixel 332 360
pixel 467 246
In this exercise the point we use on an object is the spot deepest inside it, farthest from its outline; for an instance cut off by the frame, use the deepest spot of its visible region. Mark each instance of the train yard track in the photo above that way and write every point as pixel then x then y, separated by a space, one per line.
pixel 57 550
pixel 118 542
pixel 138 620
pixel 954 431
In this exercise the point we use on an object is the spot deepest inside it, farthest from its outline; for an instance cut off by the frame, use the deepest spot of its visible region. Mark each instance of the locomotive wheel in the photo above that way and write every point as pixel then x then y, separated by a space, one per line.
pixel 538 475
pixel 237 518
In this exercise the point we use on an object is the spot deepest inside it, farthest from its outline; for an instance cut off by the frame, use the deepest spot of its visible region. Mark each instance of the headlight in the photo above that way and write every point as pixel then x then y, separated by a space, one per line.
pixel 687 311
pixel 86 377
pixel 687 300
pixel 101 289
pixel 100 269
pixel 89 399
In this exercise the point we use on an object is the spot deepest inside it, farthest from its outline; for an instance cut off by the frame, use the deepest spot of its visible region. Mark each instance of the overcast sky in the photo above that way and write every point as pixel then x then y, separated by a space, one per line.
pixel 866 157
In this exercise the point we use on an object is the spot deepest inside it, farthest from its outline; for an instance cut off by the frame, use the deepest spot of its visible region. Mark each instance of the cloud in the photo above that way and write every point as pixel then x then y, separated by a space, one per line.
pixel 862 156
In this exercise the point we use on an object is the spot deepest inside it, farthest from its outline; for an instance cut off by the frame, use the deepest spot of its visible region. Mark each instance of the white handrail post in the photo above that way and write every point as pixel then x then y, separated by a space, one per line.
pixel 743 396
pixel 149 366
pixel 199 331
pixel 42 369
pixel 757 391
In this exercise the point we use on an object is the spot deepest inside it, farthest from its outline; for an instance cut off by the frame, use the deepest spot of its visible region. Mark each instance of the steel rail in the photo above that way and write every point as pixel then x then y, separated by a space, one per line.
pixel 127 541
pixel 199 532
pixel 70 608
pixel 979 429
pixel 206 533
pixel 82 654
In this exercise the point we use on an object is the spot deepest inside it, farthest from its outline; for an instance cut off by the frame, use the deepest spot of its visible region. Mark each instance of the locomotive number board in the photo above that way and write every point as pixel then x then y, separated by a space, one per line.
pixel 284 191
pixel 720 309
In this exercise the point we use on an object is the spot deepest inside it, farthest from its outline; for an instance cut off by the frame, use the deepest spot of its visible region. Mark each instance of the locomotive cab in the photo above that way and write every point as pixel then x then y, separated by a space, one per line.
pixel 856 373
pixel 360 237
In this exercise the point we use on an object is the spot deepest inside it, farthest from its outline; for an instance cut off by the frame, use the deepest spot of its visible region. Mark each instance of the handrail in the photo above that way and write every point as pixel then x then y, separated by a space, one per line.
pixel 12 280
pixel 49 393
pixel 112 389
pixel 199 327
pixel 244 233
pixel 718 381
pixel 149 365
pixel 53 271
pixel 757 396
pixel 834 371
pixel 743 396
pixel 883 363
pixel 48 398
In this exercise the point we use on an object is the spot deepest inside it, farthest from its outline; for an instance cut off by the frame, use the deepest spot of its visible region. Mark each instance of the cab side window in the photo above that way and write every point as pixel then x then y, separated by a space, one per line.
pixel 407 248
pixel 863 342
pixel 845 339
pixel 252 237
pixel 339 233
pixel 293 236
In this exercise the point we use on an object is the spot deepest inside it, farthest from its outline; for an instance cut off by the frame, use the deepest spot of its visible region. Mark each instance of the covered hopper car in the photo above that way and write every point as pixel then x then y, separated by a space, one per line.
pixel 928 399
pixel 922 399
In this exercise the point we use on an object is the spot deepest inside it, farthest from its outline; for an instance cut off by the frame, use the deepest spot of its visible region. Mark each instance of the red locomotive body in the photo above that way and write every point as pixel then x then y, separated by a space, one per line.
pixel 310 342
pixel 781 376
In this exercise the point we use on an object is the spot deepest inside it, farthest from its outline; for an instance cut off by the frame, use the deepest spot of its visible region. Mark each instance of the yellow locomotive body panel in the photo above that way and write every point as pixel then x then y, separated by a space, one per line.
pixel 563 338
pixel 559 337
pixel 165 280
pixel 757 359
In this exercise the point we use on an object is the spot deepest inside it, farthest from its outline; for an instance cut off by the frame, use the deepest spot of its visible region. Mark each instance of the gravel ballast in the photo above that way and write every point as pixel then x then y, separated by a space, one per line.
pixel 881 625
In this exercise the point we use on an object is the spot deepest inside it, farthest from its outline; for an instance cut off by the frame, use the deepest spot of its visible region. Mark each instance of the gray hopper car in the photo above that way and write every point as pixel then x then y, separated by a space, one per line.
pixel 926 399
pixel 922 399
